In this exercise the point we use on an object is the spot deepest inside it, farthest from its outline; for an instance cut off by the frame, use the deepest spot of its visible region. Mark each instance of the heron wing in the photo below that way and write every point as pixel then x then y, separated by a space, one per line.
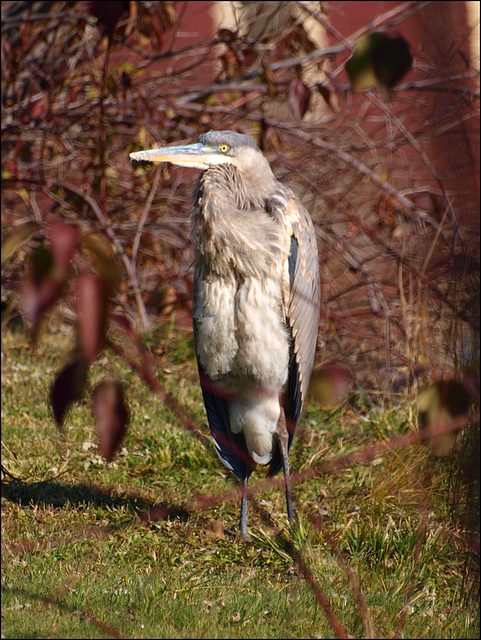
pixel 302 302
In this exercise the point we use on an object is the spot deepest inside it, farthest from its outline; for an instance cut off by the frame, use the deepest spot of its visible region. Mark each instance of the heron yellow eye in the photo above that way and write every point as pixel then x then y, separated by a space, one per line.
pixel 224 148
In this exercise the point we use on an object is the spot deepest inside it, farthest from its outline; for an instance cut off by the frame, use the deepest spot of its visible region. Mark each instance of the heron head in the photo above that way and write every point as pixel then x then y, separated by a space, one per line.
pixel 212 149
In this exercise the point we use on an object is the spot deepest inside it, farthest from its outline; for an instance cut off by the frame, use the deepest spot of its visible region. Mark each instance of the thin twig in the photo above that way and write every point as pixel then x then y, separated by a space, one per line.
pixel 136 244
pixel 417 147
pixel 362 168
pixel 299 560
pixel 369 628
pixel 107 227
pixel 330 467
pixel 316 590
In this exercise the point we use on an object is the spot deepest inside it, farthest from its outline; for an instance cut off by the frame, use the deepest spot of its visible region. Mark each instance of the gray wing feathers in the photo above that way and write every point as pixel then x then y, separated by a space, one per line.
pixel 304 301
pixel 302 314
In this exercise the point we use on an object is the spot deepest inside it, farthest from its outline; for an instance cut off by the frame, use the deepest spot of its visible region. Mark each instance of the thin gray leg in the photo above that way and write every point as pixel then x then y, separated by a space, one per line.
pixel 283 438
pixel 243 513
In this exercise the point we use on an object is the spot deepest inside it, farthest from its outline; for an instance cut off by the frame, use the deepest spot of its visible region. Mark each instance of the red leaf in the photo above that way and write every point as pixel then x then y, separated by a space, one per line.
pixel 111 416
pixel 67 388
pixel 42 288
pixel 63 238
pixel 92 314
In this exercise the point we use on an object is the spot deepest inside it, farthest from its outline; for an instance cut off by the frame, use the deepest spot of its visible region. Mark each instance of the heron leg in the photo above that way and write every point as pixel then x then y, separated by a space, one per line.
pixel 243 513
pixel 283 437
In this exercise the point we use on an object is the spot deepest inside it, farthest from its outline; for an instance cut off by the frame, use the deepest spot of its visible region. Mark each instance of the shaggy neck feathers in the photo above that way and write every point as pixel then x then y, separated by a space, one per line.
pixel 231 221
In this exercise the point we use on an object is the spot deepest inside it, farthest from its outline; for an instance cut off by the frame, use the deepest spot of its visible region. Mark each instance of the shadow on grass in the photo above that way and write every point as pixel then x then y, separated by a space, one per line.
pixel 57 494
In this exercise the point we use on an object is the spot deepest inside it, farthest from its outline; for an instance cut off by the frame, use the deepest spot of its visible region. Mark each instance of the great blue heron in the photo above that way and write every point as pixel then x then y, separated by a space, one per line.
pixel 256 302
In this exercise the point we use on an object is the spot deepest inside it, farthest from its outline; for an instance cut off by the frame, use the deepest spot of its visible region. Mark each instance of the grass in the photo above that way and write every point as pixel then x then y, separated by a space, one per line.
pixel 78 562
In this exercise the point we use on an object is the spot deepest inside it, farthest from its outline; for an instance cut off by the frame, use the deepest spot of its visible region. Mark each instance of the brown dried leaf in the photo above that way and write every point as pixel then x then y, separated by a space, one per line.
pixel 216 529
pixel 226 34
pixel 298 98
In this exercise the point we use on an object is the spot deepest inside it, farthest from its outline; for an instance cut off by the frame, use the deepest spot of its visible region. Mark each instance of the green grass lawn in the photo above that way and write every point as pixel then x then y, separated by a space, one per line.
pixel 78 562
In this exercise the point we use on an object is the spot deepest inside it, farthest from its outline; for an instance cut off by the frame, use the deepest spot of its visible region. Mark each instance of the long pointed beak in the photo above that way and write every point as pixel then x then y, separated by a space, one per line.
pixel 196 155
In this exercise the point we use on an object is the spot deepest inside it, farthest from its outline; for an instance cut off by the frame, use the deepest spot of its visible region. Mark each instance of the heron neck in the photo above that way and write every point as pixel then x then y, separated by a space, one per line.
pixel 230 224
pixel 231 190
